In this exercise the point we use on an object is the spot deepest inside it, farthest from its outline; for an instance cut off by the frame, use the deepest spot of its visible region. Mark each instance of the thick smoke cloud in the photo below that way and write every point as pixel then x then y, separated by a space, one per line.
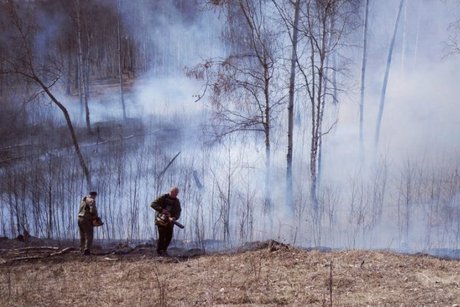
pixel 421 104
pixel 420 124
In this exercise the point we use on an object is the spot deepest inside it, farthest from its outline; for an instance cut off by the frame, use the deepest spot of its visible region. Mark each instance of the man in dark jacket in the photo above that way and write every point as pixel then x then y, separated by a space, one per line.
pixel 86 215
pixel 168 210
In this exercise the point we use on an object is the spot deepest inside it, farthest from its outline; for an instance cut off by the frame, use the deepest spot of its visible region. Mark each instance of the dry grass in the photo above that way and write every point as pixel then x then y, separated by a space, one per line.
pixel 271 277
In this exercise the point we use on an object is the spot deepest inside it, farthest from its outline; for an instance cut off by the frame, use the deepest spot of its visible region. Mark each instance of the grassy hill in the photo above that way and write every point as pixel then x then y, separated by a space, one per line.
pixel 266 273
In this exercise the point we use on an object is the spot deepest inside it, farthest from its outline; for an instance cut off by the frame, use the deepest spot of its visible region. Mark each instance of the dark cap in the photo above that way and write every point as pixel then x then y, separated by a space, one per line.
pixel 93 193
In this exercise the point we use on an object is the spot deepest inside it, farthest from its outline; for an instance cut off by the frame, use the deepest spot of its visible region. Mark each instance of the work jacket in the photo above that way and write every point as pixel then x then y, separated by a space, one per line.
pixel 88 210
pixel 165 201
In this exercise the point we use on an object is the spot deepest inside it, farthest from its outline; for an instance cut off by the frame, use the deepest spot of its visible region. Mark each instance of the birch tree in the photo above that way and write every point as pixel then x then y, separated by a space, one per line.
pixel 244 95
pixel 323 26
pixel 291 26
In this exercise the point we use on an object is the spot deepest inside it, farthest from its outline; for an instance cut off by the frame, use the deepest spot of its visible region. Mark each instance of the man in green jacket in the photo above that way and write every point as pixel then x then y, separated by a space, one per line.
pixel 168 210
pixel 86 215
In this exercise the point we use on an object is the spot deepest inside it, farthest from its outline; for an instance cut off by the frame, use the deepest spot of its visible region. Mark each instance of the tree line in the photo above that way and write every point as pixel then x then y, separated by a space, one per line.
pixel 284 62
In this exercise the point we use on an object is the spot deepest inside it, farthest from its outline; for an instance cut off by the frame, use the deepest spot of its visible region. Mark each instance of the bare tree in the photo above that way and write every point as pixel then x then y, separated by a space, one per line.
pixel 243 91
pixel 290 121
pixel 323 24
pixel 225 199
pixel 22 61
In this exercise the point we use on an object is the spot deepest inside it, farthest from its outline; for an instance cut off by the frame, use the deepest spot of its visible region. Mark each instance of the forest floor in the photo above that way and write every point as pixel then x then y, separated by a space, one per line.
pixel 260 273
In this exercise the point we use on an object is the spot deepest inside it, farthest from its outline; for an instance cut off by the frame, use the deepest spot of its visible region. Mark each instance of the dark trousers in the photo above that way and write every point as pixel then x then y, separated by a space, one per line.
pixel 165 235
pixel 86 234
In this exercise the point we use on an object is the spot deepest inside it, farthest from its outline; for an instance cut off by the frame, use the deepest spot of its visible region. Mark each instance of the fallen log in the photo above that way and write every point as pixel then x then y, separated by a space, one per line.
pixel 41 256
pixel 38 248
pixel 24 258
pixel 63 251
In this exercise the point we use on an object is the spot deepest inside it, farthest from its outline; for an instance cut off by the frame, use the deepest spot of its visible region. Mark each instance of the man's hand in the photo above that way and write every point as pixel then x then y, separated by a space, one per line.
pixel 165 212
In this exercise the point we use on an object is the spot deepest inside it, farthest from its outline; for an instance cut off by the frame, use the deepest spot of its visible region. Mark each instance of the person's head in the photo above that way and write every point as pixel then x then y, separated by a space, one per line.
pixel 93 194
pixel 173 192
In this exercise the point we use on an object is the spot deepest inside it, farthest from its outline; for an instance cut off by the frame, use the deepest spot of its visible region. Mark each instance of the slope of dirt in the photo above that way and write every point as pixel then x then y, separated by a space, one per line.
pixel 267 273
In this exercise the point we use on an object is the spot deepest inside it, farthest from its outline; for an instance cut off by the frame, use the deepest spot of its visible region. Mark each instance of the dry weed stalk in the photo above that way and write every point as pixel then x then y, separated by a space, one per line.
pixel 330 283
pixel 255 265
pixel 9 282
pixel 161 287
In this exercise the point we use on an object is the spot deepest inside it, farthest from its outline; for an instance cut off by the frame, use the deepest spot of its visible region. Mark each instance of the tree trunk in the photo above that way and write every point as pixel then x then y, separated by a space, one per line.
pixel 81 69
pixel 120 69
pixel 363 78
pixel 86 70
pixel 295 31
pixel 71 129
pixel 385 80
pixel 49 228
pixel 268 200
pixel 69 69
pixel 318 93
pixel 403 47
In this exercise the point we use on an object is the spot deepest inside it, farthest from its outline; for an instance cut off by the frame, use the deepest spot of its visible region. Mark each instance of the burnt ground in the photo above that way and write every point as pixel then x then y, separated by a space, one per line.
pixel 257 274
